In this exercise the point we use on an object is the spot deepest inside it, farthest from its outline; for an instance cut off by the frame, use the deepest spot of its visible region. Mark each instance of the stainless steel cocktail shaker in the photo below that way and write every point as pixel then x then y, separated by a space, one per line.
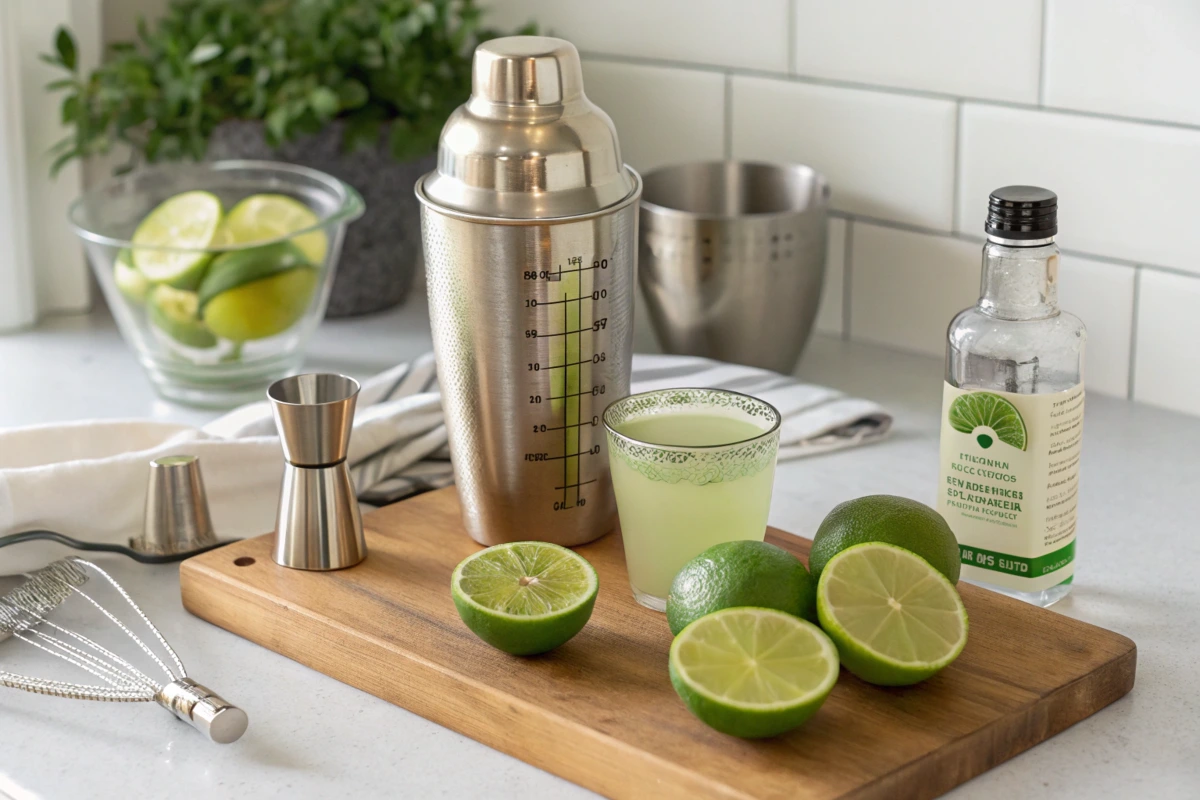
pixel 530 234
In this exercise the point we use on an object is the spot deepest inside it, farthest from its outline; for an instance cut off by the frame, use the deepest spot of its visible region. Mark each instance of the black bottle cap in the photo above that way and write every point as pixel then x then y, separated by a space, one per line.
pixel 1022 212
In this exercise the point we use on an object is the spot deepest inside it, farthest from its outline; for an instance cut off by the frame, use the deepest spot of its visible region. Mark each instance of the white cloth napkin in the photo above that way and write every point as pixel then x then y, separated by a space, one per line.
pixel 88 479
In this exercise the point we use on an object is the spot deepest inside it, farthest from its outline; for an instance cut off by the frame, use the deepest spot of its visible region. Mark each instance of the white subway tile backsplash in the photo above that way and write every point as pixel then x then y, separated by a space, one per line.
pixel 905 287
pixel 663 115
pixel 1167 372
pixel 932 45
pixel 1126 190
pixel 1101 294
pixel 1125 58
pixel 886 155
pixel 752 35
pixel 829 315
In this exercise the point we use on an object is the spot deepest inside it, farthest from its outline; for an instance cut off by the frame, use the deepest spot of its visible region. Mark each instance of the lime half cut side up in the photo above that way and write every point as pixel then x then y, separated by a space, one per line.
pixel 753 672
pixel 185 225
pixel 525 597
pixel 988 410
pixel 894 618
pixel 266 217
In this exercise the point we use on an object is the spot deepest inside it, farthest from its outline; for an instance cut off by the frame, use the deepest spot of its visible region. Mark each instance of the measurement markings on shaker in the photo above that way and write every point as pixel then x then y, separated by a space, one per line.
pixel 565 370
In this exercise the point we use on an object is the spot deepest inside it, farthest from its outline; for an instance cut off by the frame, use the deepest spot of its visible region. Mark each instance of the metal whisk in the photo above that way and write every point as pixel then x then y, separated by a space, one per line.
pixel 23 616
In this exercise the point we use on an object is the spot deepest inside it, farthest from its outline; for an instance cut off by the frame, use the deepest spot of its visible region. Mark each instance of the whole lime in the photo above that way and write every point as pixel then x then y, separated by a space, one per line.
pixel 742 573
pixel 893 520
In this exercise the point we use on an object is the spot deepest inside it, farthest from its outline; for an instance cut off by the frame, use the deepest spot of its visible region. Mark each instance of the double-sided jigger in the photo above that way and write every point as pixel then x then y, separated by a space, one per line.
pixel 318 526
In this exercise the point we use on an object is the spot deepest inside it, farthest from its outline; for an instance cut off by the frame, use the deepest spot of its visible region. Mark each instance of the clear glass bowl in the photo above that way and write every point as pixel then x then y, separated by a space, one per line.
pixel 224 372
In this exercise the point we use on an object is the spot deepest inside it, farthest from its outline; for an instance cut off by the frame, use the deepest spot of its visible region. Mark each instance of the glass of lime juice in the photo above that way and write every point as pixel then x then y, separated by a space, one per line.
pixel 691 468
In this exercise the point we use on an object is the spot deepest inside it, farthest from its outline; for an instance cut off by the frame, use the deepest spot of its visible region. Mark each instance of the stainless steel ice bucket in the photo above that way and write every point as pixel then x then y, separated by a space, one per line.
pixel 732 259
pixel 530 231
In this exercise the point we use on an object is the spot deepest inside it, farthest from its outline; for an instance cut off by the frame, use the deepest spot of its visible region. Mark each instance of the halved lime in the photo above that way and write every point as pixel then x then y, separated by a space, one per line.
pixel 129 279
pixel 894 618
pixel 263 217
pixel 753 672
pixel 988 410
pixel 174 312
pixel 262 308
pixel 186 223
pixel 525 597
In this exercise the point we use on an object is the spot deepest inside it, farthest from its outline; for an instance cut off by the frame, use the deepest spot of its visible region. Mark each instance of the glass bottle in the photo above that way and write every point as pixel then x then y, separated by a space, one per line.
pixel 1010 454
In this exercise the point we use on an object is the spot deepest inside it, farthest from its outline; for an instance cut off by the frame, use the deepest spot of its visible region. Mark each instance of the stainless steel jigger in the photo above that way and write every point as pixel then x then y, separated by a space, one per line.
pixel 318 525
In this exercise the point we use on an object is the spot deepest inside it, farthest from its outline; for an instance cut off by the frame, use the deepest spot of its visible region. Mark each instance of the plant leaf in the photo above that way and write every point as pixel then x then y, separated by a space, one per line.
pixel 324 102
pixel 205 51
pixel 69 111
pixel 64 45
pixel 277 121
pixel 352 94
pixel 61 161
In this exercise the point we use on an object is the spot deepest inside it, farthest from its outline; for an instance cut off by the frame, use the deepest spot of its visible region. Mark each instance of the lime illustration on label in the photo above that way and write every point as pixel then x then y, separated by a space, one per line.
pixel 1009 484
pixel 970 412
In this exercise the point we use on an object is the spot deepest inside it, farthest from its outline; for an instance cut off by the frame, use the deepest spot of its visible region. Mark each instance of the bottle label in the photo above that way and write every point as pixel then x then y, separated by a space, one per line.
pixel 1009 484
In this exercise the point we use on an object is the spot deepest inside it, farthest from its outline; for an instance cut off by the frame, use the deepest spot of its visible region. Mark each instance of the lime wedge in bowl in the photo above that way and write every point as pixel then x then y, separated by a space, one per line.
pixel 129 279
pixel 753 672
pixel 266 217
pixel 174 312
pixel 894 618
pixel 185 226
pixel 525 597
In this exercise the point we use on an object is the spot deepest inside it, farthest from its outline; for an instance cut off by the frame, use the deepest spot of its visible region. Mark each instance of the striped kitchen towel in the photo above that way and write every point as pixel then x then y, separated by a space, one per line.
pixel 399 444
pixel 87 479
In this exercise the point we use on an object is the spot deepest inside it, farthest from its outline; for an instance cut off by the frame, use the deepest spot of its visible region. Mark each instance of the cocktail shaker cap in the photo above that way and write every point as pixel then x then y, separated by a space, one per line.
pixel 528 144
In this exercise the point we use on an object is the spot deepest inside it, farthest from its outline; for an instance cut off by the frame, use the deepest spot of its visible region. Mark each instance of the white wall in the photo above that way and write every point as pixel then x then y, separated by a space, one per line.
pixel 916 110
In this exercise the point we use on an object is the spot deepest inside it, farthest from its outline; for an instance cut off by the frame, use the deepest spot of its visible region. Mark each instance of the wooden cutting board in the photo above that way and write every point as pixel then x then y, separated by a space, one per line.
pixel 600 711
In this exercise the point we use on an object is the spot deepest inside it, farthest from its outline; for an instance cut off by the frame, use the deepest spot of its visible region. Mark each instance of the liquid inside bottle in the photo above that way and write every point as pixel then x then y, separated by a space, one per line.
pixel 1013 410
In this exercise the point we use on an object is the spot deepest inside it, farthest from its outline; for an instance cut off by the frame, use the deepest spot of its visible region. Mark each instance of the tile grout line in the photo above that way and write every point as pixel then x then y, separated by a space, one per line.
pixel 847 266
pixel 812 80
pixel 727 132
pixel 1133 332
pixel 976 239
pixel 791 37
pixel 1041 88
pixel 956 190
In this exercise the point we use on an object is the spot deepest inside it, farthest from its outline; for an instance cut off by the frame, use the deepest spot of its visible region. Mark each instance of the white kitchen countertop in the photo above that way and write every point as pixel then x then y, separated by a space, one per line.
pixel 312 737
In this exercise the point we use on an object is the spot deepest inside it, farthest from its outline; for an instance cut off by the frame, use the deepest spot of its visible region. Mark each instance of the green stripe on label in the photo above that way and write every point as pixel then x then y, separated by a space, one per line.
pixel 1016 565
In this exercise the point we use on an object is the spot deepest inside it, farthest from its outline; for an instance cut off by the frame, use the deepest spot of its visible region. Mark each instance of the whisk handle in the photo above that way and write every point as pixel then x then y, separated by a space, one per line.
pixel 204 710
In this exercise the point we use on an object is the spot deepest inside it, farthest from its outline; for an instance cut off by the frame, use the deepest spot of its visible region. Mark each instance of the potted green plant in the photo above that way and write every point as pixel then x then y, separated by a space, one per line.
pixel 355 88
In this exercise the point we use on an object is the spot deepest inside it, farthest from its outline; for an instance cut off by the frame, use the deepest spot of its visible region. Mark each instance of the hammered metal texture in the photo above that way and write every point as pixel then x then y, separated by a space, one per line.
pixel 533 339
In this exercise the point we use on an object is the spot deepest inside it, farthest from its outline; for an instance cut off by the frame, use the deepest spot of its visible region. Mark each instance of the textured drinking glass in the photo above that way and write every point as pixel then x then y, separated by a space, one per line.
pixel 690 468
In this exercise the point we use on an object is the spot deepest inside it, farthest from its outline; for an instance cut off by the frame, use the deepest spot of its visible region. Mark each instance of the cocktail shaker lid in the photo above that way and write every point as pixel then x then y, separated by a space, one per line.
pixel 528 144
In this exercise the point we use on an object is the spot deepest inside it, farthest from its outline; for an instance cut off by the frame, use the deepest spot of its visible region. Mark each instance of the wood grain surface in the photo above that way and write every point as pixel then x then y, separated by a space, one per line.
pixel 600 711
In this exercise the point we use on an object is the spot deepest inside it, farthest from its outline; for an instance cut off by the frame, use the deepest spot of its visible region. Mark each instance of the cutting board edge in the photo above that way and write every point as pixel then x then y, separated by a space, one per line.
pixel 644 769
pixel 1023 728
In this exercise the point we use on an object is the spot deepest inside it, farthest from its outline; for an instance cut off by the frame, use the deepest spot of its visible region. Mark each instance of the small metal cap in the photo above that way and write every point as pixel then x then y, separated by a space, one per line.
pixel 176 518
pixel 204 710
pixel 528 144
pixel 314 414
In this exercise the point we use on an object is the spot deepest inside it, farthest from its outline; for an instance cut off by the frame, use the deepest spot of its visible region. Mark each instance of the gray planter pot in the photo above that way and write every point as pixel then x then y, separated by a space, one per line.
pixel 382 249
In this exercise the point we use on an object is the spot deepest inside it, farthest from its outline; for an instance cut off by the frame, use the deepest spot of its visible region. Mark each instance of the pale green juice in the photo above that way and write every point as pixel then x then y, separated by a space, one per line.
pixel 665 524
